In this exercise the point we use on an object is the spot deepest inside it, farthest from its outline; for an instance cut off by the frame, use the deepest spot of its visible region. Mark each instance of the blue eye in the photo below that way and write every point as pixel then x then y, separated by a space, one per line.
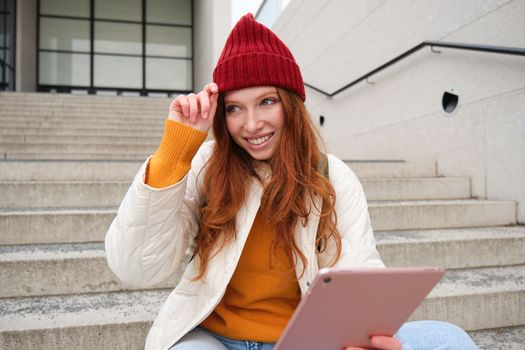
pixel 268 101
pixel 231 108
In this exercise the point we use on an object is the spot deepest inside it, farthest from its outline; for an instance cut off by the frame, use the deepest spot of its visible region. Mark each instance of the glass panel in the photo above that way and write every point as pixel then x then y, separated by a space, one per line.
pixel 2 69
pixel 64 69
pixel 126 10
pixel 168 74
pixel 168 11
pixel 8 78
pixel 10 58
pixel 4 79
pixel 118 38
pixel 78 8
pixel 168 41
pixel 9 38
pixel 118 71
pixel 4 55
pixel 64 34
pixel 2 32
pixel 7 23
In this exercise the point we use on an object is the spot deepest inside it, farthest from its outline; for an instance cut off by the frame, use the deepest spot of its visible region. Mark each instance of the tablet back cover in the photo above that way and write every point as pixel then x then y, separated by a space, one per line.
pixel 346 307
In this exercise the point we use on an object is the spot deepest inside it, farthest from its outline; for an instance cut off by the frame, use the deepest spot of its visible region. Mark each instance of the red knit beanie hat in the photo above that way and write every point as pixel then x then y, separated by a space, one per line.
pixel 255 56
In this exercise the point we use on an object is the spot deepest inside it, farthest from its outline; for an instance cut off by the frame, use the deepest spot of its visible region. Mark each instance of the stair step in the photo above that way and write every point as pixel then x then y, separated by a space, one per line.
pixel 53 269
pixel 374 169
pixel 99 122
pixel 453 248
pixel 507 338
pixel 478 298
pixel 68 194
pixel 473 299
pixel 85 321
pixel 416 188
pixel 70 122
pixel 82 110
pixel 90 225
pixel 115 105
pixel 11 170
pixel 32 270
pixel 82 115
pixel 412 215
pixel 37 99
pixel 88 102
pixel 78 139
pixel 100 131
pixel 34 170
pixel 94 156
pixel 77 148
pixel 73 194
pixel 84 126
pixel 87 117
pixel 54 225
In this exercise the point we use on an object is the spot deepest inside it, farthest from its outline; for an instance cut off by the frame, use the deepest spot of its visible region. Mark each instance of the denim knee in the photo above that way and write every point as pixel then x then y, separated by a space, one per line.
pixel 435 335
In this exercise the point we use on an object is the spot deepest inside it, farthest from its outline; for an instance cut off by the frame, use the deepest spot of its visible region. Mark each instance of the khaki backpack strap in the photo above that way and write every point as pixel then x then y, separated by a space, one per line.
pixel 323 165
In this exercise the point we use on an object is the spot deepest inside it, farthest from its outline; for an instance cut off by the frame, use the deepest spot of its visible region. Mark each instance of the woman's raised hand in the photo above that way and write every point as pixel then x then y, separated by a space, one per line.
pixel 196 110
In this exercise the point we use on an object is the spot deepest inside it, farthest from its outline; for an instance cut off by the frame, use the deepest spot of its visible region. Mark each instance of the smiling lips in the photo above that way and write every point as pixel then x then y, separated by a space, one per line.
pixel 259 140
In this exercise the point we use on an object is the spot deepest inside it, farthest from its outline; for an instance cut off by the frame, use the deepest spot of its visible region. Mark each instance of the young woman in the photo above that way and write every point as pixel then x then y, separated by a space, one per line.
pixel 254 208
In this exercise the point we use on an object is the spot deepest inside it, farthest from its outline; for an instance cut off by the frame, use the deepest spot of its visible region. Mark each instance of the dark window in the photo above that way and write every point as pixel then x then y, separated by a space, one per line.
pixel 7 45
pixel 142 46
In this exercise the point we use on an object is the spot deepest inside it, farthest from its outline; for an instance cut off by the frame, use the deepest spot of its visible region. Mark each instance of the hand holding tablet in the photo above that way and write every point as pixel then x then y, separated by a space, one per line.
pixel 382 343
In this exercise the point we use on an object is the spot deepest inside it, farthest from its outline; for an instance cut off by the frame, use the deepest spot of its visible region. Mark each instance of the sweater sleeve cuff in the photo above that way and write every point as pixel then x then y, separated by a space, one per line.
pixel 172 160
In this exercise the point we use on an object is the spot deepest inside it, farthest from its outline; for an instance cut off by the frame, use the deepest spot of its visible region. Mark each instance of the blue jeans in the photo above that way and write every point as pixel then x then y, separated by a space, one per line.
pixel 201 339
pixel 419 335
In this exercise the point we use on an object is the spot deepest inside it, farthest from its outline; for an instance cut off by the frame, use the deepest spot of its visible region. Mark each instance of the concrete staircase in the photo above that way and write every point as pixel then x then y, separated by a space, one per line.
pixel 68 160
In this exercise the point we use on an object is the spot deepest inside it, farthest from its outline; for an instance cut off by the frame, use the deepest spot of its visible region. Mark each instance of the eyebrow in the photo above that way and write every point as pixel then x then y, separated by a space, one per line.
pixel 226 100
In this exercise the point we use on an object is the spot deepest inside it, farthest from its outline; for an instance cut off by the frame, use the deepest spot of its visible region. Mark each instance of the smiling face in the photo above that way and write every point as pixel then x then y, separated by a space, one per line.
pixel 255 119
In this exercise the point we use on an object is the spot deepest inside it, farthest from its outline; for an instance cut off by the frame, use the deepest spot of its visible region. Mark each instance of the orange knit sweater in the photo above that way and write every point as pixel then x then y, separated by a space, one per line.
pixel 263 292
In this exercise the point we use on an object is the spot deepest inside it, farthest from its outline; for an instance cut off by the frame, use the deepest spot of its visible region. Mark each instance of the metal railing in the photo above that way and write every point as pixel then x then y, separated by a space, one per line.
pixel 471 47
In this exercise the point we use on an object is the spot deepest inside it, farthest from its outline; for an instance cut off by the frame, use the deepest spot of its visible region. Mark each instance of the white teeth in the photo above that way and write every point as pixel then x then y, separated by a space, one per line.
pixel 259 140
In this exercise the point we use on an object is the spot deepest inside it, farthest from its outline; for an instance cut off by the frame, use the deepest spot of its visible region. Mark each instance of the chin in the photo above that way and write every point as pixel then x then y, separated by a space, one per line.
pixel 261 156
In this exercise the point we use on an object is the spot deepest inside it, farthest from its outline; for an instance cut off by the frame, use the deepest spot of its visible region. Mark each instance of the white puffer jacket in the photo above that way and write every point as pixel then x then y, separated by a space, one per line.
pixel 154 228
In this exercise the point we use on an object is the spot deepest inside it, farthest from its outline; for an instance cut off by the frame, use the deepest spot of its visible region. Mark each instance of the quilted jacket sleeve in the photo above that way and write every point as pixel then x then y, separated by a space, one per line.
pixel 353 220
pixel 153 227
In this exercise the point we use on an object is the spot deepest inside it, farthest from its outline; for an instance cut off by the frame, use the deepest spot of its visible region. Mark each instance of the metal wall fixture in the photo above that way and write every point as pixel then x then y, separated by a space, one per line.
pixel 450 101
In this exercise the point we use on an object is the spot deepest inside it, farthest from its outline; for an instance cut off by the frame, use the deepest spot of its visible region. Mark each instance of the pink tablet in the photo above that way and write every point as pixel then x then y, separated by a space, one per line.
pixel 345 307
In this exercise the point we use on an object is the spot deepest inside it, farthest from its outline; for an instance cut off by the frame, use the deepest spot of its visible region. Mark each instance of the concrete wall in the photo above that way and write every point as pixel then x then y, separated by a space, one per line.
pixel 26 43
pixel 400 116
pixel 212 24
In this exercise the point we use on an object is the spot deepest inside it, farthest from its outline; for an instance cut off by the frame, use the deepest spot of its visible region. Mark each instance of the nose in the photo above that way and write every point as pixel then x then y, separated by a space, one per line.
pixel 253 122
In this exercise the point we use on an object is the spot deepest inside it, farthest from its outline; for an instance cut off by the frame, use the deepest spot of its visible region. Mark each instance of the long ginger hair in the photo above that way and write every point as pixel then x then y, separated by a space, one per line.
pixel 296 178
